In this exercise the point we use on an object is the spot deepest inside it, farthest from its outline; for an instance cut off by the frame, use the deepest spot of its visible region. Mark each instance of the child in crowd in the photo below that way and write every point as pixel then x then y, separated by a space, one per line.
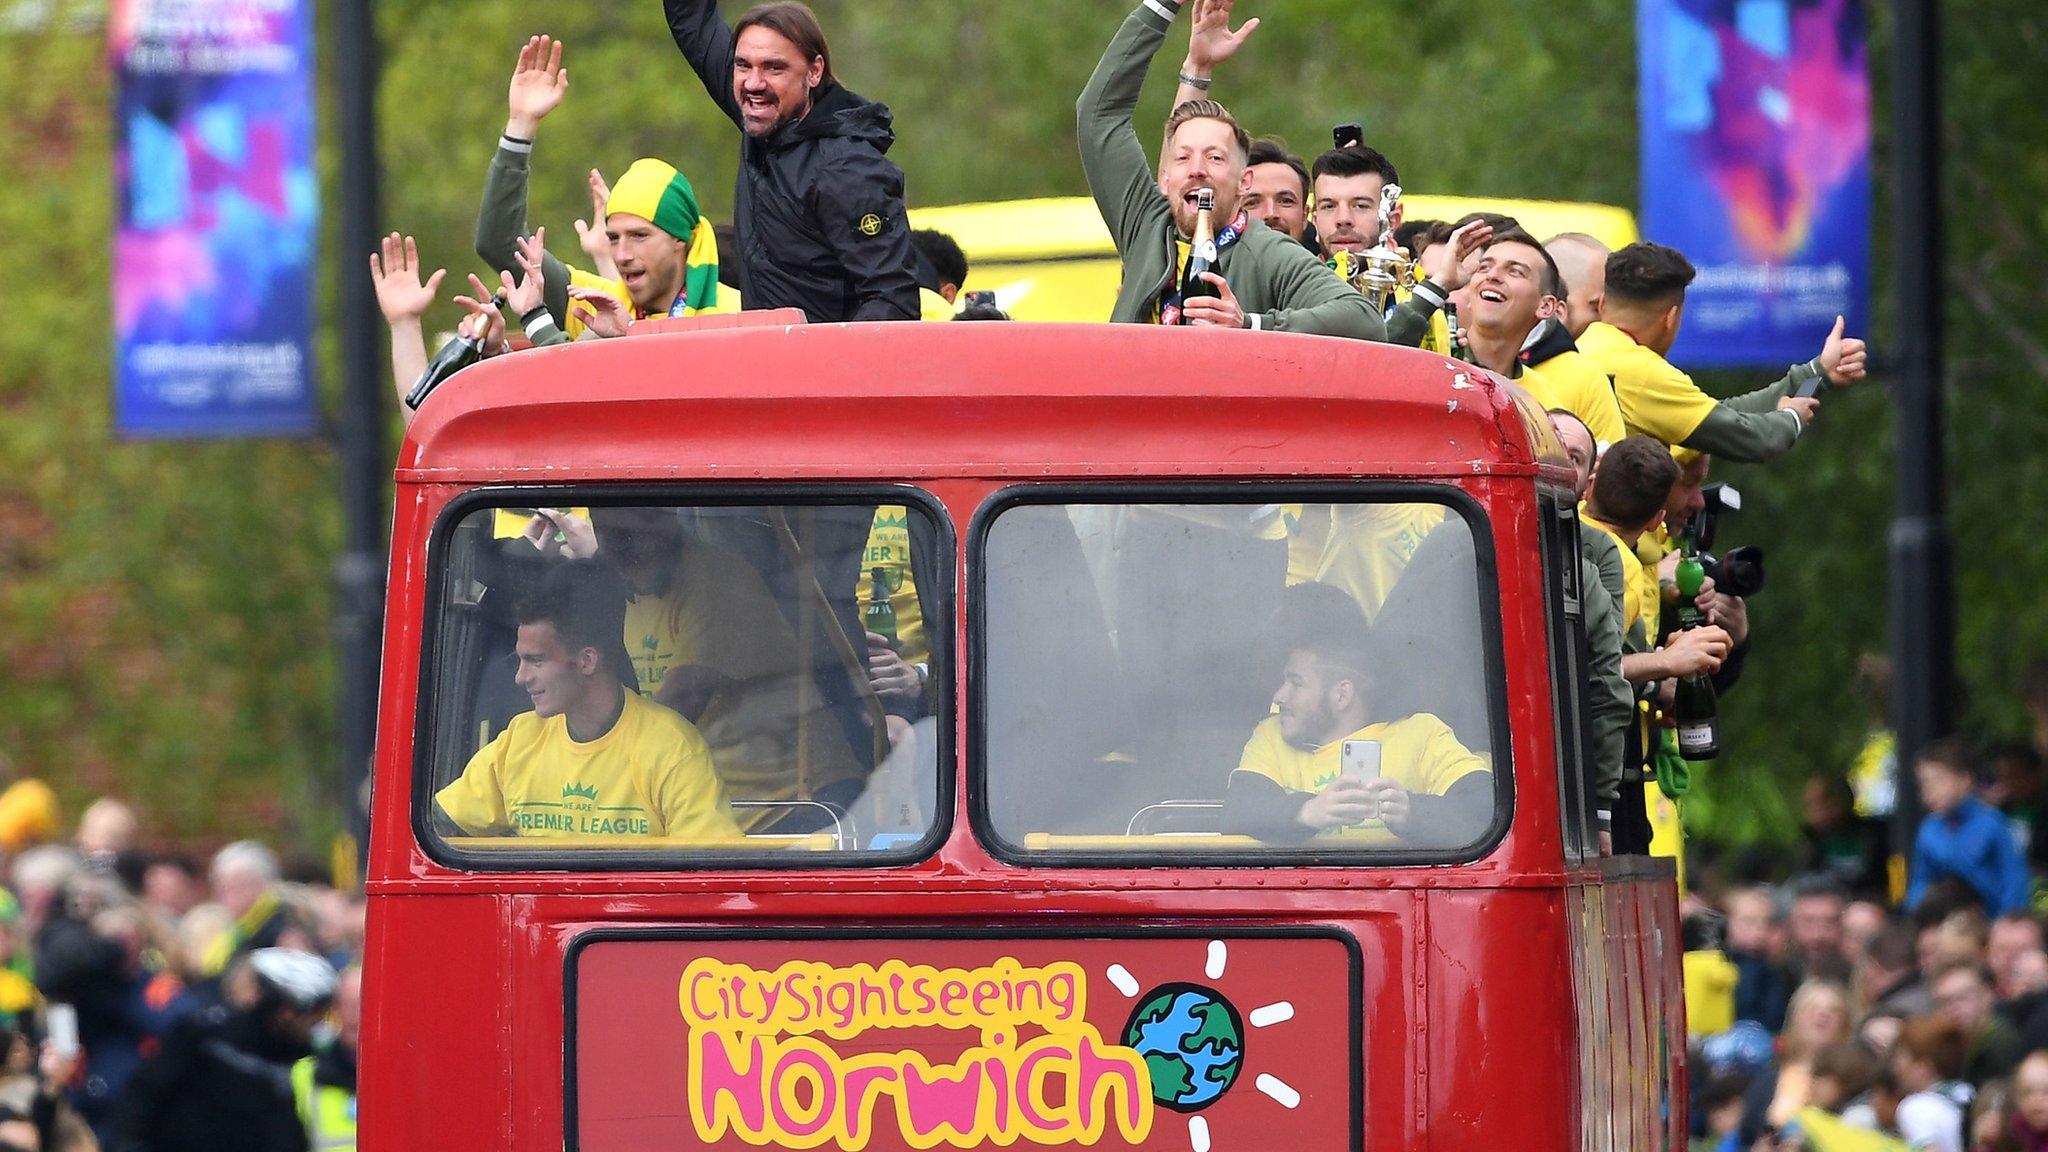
pixel 1962 838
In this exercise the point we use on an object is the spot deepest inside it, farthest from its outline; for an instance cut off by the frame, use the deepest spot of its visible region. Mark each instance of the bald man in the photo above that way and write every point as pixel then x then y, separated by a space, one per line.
pixel 1582 261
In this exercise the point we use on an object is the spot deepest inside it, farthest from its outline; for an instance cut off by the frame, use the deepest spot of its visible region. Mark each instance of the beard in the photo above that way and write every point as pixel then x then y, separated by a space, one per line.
pixel 1309 728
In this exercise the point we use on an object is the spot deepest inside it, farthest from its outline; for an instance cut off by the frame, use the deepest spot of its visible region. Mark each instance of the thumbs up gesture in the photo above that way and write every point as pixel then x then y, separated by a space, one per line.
pixel 1845 360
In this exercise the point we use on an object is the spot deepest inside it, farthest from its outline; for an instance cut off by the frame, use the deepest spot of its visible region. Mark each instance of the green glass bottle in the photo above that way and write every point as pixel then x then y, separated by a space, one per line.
pixel 1202 252
pixel 878 615
pixel 1698 707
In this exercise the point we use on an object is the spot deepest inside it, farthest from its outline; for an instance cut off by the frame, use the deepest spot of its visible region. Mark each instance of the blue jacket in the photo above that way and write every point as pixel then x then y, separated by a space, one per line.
pixel 1973 844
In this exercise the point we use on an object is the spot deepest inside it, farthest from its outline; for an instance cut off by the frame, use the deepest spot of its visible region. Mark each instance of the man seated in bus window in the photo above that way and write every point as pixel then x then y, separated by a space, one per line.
pixel 707 640
pixel 1292 785
pixel 592 760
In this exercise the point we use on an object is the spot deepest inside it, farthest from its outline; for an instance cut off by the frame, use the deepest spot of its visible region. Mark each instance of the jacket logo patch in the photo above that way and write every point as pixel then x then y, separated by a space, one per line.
pixel 870 225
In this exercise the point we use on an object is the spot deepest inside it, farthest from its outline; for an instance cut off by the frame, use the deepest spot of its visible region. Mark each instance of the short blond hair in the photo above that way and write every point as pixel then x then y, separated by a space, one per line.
pixel 1211 110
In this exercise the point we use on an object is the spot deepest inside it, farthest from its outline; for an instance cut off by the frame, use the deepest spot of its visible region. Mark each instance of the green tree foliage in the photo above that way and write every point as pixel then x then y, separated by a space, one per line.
pixel 164 608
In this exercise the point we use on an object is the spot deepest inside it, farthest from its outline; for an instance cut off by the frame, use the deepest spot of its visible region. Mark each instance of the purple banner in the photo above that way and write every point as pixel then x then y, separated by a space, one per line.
pixel 217 208
pixel 1756 164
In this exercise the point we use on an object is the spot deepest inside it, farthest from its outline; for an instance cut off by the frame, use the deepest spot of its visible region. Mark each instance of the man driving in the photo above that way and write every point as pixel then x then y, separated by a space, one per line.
pixel 1321 768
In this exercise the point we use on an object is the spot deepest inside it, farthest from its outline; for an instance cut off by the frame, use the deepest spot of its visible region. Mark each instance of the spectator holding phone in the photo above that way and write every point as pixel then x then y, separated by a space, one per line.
pixel 1640 314
pixel 1308 770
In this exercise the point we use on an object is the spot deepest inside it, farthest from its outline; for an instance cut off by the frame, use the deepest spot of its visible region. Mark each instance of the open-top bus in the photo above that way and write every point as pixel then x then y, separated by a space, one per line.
pixel 1010 903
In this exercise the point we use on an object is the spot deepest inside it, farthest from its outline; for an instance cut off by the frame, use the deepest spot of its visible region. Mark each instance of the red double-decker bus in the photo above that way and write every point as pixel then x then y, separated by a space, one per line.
pixel 912 736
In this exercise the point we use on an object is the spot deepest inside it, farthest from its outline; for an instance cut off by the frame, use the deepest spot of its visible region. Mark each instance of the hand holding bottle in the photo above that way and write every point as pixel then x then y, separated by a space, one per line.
pixel 1696 650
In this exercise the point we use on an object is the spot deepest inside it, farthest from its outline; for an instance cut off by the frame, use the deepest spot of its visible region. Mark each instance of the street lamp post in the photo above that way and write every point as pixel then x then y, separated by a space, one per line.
pixel 1922 585
pixel 359 575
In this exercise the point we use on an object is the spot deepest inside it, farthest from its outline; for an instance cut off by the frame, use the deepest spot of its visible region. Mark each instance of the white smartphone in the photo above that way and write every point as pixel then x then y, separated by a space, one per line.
pixel 1360 760
pixel 61 1022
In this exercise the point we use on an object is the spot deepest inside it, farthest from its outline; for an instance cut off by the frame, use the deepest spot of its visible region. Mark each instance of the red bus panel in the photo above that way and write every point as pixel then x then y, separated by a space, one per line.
pixel 1132 1040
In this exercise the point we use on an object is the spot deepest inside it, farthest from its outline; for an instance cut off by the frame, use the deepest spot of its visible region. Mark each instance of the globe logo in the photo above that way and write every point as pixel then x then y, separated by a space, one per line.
pixel 1192 1042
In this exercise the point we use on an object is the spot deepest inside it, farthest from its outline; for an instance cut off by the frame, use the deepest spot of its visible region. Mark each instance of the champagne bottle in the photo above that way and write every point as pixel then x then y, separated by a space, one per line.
pixel 1699 722
pixel 1201 250
pixel 453 357
pixel 878 615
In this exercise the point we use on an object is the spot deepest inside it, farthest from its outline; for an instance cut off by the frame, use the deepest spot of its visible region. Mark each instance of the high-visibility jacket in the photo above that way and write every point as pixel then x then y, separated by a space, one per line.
pixel 327 1111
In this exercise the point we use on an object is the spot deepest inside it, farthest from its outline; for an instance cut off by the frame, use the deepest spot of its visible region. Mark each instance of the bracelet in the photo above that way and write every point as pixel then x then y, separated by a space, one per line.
pixel 1196 82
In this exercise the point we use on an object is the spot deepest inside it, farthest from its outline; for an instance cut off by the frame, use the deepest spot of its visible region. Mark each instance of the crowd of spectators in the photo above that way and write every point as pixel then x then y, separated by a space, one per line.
pixel 1849 995
pixel 154 1002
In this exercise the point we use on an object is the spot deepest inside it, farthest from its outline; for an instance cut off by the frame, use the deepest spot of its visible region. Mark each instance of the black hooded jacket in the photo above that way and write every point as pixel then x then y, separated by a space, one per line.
pixel 221 1083
pixel 819 207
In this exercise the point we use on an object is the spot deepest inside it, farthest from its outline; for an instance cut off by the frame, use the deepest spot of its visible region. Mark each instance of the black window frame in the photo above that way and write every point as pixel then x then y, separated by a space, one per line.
pixel 1565 624
pixel 680 496
pixel 1486 567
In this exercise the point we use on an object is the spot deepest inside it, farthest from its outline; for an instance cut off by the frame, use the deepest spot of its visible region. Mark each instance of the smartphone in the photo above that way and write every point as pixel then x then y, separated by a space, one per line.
pixel 1348 135
pixel 61 1022
pixel 1360 760
pixel 1811 388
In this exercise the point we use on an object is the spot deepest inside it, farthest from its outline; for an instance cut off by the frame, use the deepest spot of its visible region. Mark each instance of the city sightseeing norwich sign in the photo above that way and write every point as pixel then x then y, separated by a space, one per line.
pixel 1141 1042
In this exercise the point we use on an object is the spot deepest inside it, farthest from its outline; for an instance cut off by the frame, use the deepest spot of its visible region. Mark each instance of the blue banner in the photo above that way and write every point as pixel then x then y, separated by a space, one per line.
pixel 1756 164
pixel 217 208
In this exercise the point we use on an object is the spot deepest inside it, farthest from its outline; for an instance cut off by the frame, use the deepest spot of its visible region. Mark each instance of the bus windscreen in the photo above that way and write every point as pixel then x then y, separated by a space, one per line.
pixel 1233 679
pixel 675 682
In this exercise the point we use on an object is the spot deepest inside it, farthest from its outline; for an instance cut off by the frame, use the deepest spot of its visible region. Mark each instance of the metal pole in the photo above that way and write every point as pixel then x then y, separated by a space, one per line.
pixel 359 574
pixel 1922 586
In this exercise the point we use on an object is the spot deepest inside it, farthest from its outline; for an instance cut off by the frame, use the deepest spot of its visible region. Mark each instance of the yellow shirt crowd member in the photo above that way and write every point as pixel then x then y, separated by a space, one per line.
pixel 1654 397
pixel 1419 753
pixel 889 550
pixel 1637 599
pixel 1361 548
pixel 719 616
pixel 650 776
pixel 1574 383
pixel 1709 992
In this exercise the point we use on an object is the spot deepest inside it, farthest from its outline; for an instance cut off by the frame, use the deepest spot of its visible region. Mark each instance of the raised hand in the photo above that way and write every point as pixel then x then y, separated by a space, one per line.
pixel 525 295
pixel 602 312
pixel 1465 245
pixel 1212 42
pixel 591 237
pixel 396 272
pixel 483 319
pixel 1844 359
pixel 539 82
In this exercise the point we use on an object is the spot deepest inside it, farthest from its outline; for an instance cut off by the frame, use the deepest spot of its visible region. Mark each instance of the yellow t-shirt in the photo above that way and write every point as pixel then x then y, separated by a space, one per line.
pixel 1640 599
pixel 1361 548
pixel 1654 397
pixel 1709 992
pixel 1571 381
pixel 1419 753
pixel 1873 774
pixel 889 550
pixel 650 776
pixel 717 614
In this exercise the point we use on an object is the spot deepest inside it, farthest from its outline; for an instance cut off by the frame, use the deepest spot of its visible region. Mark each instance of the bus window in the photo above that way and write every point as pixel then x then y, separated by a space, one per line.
pixel 683 682
pixel 1283 679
